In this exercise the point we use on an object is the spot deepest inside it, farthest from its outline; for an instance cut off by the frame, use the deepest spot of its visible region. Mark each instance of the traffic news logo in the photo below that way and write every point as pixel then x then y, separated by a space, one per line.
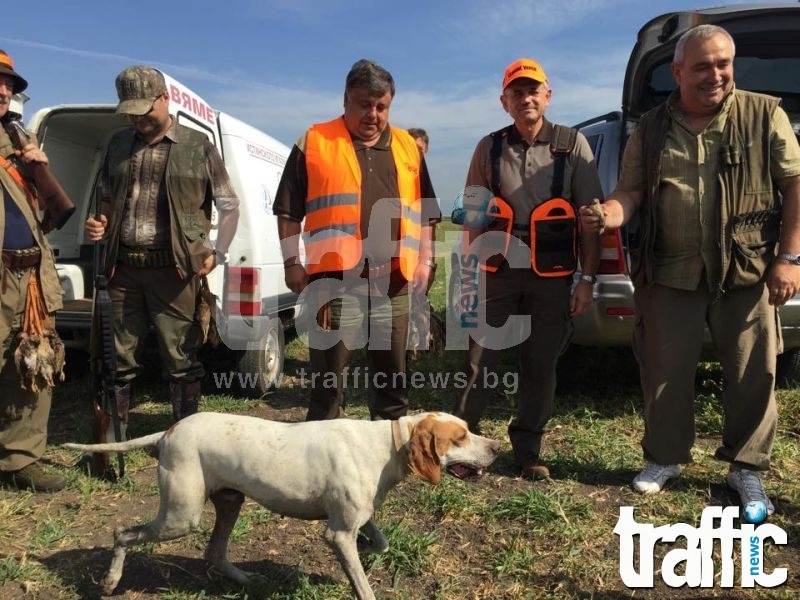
pixel 697 557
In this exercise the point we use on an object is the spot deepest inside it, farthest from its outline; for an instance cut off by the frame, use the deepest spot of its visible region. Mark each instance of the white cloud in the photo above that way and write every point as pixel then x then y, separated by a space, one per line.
pixel 455 118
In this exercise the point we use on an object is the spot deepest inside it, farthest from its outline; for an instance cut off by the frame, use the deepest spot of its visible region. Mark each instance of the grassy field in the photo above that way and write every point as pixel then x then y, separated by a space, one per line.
pixel 500 537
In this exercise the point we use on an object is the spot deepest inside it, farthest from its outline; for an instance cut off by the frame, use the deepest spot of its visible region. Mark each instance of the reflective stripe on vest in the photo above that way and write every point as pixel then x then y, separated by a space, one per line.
pixel 332 227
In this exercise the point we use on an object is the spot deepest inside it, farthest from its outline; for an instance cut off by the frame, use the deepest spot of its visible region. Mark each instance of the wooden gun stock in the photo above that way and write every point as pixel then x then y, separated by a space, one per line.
pixel 52 199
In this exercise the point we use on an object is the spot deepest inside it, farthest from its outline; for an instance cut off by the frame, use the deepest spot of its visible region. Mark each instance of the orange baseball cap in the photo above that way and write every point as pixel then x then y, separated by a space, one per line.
pixel 524 67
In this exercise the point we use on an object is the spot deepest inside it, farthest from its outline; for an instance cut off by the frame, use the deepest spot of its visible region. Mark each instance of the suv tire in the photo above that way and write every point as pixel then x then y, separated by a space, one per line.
pixel 787 371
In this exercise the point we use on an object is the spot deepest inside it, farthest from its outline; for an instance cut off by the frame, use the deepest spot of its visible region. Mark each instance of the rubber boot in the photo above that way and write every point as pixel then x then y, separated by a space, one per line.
pixel 185 398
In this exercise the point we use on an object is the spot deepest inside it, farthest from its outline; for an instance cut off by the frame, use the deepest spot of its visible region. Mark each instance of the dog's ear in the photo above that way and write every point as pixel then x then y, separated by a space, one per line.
pixel 447 434
pixel 422 457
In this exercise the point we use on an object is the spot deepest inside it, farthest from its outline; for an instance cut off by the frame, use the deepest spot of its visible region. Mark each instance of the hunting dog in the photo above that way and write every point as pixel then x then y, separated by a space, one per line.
pixel 338 470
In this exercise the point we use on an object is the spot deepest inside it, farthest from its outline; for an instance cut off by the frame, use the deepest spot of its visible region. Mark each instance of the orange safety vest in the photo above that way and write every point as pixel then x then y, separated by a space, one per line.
pixel 332 226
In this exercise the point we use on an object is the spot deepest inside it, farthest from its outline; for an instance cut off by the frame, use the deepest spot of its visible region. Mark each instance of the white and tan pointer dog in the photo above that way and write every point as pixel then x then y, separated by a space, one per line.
pixel 339 470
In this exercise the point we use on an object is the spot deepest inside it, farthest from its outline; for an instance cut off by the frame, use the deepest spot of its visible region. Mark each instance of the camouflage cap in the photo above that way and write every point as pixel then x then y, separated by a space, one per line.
pixel 7 68
pixel 137 88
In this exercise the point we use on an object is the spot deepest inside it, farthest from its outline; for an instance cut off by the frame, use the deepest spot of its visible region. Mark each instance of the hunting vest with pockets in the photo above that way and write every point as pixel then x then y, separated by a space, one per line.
pixel 188 192
pixel 332 226
pixel 749 219
pixel 553 225
pixel 25 200
pixel 52 292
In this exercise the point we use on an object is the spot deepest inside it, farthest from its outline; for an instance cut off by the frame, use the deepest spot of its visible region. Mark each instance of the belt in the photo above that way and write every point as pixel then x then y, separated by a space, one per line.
pixel 22 259
pixel 144 257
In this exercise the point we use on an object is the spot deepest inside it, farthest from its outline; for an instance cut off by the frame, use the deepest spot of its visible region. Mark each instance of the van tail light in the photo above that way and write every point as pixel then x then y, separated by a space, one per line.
pixel 612 257
pixel 243 292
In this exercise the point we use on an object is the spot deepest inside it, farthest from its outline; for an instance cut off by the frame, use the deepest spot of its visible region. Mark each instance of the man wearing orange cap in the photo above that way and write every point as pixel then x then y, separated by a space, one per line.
pixel 523 189
pixel 23 412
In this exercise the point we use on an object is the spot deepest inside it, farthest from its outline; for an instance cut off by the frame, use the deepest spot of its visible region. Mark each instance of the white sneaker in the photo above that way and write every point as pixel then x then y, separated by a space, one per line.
pixel 748 485
pixel 654 476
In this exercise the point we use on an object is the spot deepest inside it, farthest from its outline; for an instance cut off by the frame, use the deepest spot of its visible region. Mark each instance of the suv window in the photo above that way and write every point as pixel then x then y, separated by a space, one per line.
pixel 594 142
pixel 763 73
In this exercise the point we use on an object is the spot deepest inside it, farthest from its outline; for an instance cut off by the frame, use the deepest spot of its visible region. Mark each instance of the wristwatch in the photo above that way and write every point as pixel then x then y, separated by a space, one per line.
pixel 790 258
pixel 222 257
pixel 588 278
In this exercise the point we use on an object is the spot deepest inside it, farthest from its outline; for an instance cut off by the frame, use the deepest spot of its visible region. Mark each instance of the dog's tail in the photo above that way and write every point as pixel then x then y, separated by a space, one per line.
pixel 148 441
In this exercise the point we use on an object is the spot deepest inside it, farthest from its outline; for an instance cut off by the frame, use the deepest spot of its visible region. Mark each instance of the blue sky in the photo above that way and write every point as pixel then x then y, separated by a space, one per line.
pixel 280 65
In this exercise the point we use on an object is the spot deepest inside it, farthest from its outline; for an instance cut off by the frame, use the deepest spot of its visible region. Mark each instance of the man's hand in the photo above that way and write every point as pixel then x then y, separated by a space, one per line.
pixel 31 153
pixel 593 217
pixel 422 276
pixel 783 282
pixel 208 265
pixel 94 230
pixel 581 299
pixel 295 276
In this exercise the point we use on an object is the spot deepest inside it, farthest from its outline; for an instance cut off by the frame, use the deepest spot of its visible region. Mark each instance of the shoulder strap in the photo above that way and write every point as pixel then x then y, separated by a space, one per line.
pixel 562 145
pixel 494 156
pixel 12 170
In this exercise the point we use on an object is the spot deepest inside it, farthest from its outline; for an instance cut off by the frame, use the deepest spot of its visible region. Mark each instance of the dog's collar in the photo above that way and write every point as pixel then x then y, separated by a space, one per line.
pixel 397 436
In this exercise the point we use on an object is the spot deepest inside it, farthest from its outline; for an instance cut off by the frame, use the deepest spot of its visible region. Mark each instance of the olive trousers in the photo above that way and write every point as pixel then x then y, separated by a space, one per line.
pixel 668 342
pixel 23 414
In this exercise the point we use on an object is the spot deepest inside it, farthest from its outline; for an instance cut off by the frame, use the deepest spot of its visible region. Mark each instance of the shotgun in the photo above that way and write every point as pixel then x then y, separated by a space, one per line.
pixel 104 369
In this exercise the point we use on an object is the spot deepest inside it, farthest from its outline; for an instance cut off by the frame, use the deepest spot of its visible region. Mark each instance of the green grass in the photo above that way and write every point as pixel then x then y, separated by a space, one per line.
pixel 500 538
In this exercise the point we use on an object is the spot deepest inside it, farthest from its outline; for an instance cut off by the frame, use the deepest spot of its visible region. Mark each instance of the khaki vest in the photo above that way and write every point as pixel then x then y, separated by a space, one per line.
pixel 188 192
pixel 750 212
pixel 48 276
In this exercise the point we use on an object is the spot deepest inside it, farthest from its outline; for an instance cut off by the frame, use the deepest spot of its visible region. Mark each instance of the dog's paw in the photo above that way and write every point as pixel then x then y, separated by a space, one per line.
pixel 107 586
pixel 368 546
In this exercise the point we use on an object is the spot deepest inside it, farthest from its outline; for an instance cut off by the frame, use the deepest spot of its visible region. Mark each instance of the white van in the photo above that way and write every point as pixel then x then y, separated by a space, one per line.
pixel 253 304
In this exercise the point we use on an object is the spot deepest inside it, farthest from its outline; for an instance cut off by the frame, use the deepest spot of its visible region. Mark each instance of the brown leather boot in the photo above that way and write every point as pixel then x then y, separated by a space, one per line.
pixel 532 469
pixel 34 477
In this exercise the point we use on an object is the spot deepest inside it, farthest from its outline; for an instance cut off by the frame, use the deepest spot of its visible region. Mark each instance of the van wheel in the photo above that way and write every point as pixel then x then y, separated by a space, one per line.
pixel 787 373
pixel 264 359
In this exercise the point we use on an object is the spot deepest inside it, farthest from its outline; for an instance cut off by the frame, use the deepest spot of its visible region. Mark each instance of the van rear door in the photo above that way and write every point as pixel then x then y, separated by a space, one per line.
pixel 74 137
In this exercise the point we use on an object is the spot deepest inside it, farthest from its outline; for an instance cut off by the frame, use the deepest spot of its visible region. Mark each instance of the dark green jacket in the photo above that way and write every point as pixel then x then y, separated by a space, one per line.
pixel 188 191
